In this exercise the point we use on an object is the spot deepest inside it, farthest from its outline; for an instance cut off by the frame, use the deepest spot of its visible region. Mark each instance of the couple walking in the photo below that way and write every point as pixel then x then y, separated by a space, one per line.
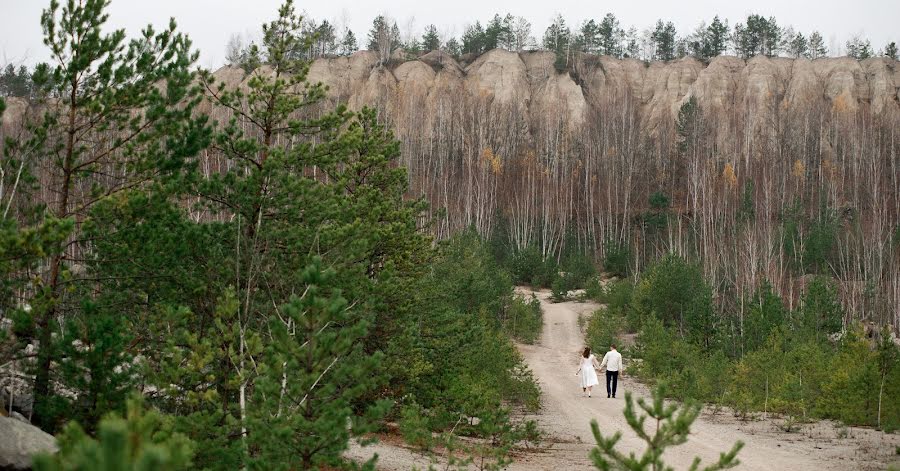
pixel 612 361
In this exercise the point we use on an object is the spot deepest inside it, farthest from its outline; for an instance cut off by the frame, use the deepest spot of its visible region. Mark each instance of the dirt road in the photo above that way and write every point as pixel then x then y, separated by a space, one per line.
pixel 565 416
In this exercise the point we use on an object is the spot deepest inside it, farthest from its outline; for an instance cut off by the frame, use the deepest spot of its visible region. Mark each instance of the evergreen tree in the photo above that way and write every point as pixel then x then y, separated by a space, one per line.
pixel 453 47
pixel 324 40
pixel 384 37
pixel 671 424
pixel 821 314
pixel 663 38
pixel 473 39
pixel 141 441
pixel 351 210
pixel 798 46
pixel 557 38
pixel 817 47
pixel 891 50
pixel 760 36
pixel 611 36
pixel 632 44
pixel 859 48
pixel 765 315
pixel 316 372
pixel 102 86
pixel 430 40
pixel 348 43
pixel 507 39
pixel 15 82
pixel 715 41
pixel 888 360
pixel 496 33
pixel 589 37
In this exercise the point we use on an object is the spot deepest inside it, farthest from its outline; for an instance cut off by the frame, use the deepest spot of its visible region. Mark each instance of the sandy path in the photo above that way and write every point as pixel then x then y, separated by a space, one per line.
pixel 565 417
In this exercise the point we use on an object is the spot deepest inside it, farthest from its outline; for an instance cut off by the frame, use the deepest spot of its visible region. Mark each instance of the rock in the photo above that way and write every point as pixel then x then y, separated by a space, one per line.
pixel 19 441
pixel 19 417
pixel 21 402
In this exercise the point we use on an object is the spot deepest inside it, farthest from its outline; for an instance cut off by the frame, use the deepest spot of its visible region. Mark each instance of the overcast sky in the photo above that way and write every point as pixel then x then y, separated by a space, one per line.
pixel 211 22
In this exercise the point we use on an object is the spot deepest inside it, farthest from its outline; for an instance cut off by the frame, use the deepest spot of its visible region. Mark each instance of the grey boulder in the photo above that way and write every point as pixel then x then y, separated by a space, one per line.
pixel 19 441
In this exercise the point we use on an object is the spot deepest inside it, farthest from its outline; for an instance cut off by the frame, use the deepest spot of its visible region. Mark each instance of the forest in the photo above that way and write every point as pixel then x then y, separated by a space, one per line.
pixel 255 266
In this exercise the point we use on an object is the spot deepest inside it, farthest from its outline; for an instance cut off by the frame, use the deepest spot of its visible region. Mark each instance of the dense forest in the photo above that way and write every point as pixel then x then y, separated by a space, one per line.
pixel 245 268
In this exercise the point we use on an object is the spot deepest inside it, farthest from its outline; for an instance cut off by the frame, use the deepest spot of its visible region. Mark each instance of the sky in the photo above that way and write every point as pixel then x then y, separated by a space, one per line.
pixel 210 23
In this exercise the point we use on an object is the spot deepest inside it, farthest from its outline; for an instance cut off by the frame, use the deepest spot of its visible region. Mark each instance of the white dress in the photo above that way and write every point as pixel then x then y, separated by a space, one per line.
pixel 588 375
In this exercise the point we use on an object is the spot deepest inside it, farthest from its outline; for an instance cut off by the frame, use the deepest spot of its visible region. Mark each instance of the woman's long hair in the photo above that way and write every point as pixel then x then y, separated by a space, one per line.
pixel 587 352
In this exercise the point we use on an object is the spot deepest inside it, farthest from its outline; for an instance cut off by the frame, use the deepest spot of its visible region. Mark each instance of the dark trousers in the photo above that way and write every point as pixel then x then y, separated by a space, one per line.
pixel 613 377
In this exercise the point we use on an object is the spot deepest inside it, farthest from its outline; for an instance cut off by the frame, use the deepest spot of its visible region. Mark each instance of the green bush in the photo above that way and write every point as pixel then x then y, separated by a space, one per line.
pixel 616 258
pixel 604 329
pixel 524 319
pixel 414 427
pixel 674 291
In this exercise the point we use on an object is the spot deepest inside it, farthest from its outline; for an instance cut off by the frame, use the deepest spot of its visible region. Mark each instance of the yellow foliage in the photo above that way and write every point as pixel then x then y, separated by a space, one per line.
pixel 729 176
pixel 492 160
pixel 840 103
pixel 799 169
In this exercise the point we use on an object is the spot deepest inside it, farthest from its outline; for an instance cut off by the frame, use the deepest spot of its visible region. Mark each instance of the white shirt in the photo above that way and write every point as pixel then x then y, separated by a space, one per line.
pixel 612 361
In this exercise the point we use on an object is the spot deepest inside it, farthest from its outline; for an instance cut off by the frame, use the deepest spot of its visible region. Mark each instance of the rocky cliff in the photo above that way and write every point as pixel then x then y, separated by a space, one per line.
pixel 529 82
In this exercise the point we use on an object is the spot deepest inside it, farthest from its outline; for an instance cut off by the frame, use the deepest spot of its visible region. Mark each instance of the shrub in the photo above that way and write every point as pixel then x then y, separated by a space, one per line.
pixel 616 258
pixel 414 427
pixel 524 319
pixel 603 329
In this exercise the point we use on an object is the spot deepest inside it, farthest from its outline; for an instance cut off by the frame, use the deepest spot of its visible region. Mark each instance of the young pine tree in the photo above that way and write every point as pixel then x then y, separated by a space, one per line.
pixel 316 371
pixel 116 116
pixel 672 427
pixel 141 441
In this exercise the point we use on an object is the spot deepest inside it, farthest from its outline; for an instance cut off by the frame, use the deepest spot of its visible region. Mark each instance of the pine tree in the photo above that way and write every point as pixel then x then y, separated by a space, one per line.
pixel 102 86
pixel 495 33
pixel 384 38
pixel 888 359
pixel 141 441
pixel 672 427
pixel 817 47
pixel 558 38
pixel 663 38
pixel 715 41
pixel 473 39
pixel 348 43
pixel 431 41
pixel 798 46
pixel 821 314
pixel 589 37
pixel 15 82
pixel 453 47
pixel 760 36
pixel 316 372
pixel 891 50
pixel 611 36
pixel 859 48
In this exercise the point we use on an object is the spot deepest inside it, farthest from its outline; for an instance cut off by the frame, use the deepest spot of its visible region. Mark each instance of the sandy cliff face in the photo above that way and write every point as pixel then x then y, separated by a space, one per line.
pixel 529 83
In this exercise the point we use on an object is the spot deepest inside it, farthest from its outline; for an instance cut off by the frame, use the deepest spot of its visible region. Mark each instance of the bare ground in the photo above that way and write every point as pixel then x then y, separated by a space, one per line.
pixel 565 417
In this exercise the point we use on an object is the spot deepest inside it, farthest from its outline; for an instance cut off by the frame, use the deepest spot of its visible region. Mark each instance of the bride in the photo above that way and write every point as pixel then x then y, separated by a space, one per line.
pixel 588 375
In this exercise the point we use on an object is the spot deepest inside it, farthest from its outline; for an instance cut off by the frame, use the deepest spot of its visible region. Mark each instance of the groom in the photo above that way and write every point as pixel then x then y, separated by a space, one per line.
pixel 613 363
